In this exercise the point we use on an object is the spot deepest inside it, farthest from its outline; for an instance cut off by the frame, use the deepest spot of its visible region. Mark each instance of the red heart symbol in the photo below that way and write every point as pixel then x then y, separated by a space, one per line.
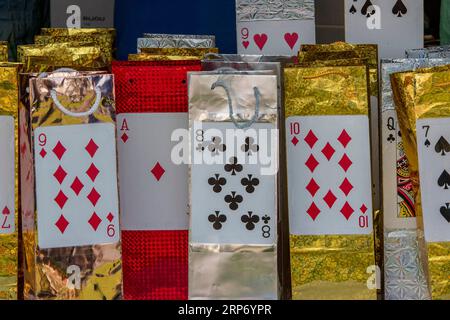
pixel 6 211
pixel 245 44
pixel 260 40
pixel 291 39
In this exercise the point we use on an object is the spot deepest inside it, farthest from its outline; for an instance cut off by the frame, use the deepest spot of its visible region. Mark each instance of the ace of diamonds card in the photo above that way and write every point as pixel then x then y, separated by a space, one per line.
pixel 329 175
pixel 433 136
pixel 76 185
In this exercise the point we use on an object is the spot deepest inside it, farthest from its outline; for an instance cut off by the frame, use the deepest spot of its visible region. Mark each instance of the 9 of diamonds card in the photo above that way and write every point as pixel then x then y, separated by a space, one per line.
pixel 233 185
pixel 9 244
pixel 329 182
pixel 152 106
pixel 70 207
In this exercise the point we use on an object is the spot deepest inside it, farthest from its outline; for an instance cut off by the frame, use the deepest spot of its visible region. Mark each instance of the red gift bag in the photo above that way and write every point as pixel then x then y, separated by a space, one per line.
pixel 152 102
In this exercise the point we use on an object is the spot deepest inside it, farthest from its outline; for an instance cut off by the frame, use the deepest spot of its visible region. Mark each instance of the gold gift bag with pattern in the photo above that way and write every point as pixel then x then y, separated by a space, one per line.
pixel 9 228
pixel 329 183
pixel 422 101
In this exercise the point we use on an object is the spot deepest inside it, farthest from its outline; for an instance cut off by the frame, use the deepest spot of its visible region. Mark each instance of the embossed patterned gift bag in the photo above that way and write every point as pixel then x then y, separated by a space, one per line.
pixel 69 193
pixel 152 104
pixel 233 121
pixel 274 27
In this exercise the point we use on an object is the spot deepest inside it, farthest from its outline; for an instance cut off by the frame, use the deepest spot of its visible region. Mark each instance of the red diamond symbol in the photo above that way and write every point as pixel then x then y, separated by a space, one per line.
pixel 346 187
pixel 43 153
pixel 77 186
pixel 312 187
pixel 312 163
pixel 60 174
pixel 92 148
pixel 62 224
pixel 158 171
pixel 124 138
pixel 330 199
pixel 295 141
pixel 328 151
pixel 92 172
pixel 345 163
pixel 93 197
pixel 95 221
pixel 347 211
pixel 313 211
pixel 110 217
pixel 363 209
pixel 61 199
pixel 59 150
pixel 344 138
pixel 311 139
pixel 6 211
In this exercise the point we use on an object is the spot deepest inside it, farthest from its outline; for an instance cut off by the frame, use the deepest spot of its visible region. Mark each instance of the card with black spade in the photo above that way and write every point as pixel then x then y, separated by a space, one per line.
pixel 392 24
pixel 433 142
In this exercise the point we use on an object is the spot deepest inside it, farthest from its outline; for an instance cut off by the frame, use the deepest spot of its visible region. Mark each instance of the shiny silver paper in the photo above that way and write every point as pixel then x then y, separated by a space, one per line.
pixel 232 271
pixel 431 52
pixel 167 41
pixel 403 269
pixel 253 10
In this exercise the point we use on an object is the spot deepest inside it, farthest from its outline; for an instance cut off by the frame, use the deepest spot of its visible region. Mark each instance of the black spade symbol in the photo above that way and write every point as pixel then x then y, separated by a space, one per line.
pixel 444 180
pixel 353 9
pixel 445 212
pixel 442 146
pixel 365 9
pixel 399 9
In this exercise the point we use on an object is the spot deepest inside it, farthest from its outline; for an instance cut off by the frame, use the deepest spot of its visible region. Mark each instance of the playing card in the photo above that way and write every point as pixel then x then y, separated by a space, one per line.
pixel 76 185
pixel 433 136
pixel 398 196
pixel 329 175
pixel 7 180
pixel 145 164
pixel 231 201
pixel 274 27
pixel 393 25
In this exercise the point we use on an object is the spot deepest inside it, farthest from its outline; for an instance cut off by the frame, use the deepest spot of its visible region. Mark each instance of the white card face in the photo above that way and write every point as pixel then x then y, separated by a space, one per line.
pixel 7 179
pixel 394 25
pixel 398 196
pixel 76 185
pixel 153 189
pixel 433 136
pixel 275 37
pixel 329 175
pixel 233 201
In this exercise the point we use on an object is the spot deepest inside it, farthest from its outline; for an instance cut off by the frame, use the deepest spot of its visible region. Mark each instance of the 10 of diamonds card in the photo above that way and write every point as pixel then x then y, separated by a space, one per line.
pixel 329 175
pixel 233 201
pixel 76 185
pixel 433 143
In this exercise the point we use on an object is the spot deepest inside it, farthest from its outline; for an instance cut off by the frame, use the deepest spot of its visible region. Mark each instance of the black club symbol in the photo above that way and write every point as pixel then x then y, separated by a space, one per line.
pixel 250 146
pixel 233 166
pixel 250 183
pixel 216 146
pixel 233 200
pixel 250 220
pixel 266 219
pixel 217 182
pixel 217 220
pixel 391 138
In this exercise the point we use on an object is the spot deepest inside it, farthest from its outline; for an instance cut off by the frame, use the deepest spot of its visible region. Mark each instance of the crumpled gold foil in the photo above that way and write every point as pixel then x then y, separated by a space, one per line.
pixel 424 94
pixel 156 57
pixel 105 41
pixel 9 244
pixel 39 58
pixel 4 51
pixel 76 31
pixel 45 270
pixel 197 52
pixel 329 266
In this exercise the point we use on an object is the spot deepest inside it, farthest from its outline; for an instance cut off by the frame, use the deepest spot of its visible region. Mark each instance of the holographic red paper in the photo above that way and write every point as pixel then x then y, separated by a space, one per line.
pixel 155 263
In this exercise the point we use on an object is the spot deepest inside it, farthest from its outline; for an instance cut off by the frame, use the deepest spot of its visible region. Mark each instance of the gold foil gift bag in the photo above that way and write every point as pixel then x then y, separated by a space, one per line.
pixel 329 183
pixel 69 193
pixel 9 227
pixel 233 121
pixel 402 263
pixel 422 102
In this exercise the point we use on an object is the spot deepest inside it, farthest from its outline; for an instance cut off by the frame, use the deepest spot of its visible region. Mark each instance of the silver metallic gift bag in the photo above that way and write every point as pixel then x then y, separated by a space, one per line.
pixel 233 121
pixel 175 41
pixel 403 271
pixel 430 52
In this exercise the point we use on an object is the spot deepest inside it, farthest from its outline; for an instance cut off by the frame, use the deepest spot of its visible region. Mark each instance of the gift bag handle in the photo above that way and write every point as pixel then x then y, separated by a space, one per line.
pixel 92 110
pixel 221 83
